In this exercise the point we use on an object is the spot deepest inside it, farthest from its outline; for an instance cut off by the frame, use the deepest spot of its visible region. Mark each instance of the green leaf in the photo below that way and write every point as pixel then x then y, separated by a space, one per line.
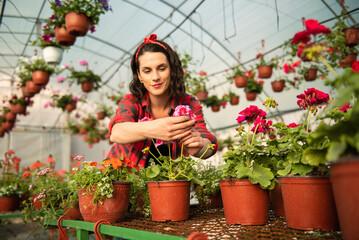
pixel 335 150
pixel 153 171
pixel 261 175
pixel 301 169
pixel 286 170
pixel 315 156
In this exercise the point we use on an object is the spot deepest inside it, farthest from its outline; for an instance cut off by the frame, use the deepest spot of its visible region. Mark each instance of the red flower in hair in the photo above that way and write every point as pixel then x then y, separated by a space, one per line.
pixel 250 114
pixel 313 27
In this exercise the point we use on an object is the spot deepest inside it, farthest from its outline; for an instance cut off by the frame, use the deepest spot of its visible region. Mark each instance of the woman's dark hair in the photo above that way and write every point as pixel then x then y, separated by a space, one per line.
pixel 177 86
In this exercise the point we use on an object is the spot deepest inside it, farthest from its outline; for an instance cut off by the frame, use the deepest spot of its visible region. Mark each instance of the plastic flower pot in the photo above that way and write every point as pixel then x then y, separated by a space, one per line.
pixel 309 203
pixel 101 115
pixel 234 100
pixel 40 78
pixel 18 108
pixel 77 24
pixel 344 177
pixel 10 116
pixel 52 55
pixel 240 81
pixel 349 59
pixel 276 198
pixel 265 71
pixel 9 204
pixel 202 96
pixel 71 106
pixel 31 87
pixel 169 200
pixel 26 93
pixel 87 86
pixel 278 86
pixel 73 212
pixel 244 203
pixel 352 36
pixel 311 75
pixel 251 96
pixel 215 108
pixel 113 209
pixel 63 37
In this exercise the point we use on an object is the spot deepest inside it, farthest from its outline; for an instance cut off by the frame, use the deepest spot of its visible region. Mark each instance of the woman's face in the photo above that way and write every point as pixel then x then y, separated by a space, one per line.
pixel 154 73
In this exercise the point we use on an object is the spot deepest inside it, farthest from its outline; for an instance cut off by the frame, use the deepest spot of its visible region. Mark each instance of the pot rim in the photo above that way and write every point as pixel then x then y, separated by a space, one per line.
pixel 310 176
pixel 346 159
pixel 168 181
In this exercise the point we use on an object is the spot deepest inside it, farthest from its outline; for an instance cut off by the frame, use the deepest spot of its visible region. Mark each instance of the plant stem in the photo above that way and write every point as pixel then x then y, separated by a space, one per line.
pixel 155 158
pixel 203 153
pixel 328 66
pixel 156 147
pixel 309 114
pixel 181 151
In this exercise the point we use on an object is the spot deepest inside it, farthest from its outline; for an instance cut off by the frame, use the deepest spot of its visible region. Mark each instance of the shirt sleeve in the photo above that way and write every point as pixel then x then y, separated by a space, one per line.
pixel 127 111
pixel 201 124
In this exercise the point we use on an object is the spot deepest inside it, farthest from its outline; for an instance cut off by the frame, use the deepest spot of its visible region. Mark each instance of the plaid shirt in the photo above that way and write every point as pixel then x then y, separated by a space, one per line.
pixel 130 110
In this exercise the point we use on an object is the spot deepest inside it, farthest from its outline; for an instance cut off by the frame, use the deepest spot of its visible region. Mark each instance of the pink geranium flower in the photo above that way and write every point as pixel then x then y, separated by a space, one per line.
pixel 49 103
pixel 183 110
pixel 250 114
pixel 83 62
pixel 60 79
pixel 75 98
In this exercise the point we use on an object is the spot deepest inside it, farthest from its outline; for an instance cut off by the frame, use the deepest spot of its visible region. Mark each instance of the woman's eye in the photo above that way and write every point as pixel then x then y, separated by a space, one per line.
pixel 162 69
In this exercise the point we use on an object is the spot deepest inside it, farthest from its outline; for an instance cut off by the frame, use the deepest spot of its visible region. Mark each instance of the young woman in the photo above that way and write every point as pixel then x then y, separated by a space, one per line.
pixel 157 87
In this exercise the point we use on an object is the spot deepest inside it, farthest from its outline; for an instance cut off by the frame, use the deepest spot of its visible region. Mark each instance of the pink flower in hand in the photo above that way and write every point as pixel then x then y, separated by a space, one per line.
pixel 184 110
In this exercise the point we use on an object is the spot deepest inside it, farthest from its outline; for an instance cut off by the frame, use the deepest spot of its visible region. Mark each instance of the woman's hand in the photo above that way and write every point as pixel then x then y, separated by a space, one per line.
pixel 171 128
pixel 193 143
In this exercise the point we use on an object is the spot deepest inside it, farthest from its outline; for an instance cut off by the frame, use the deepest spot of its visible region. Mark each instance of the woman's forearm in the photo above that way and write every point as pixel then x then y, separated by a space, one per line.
pixel 128 132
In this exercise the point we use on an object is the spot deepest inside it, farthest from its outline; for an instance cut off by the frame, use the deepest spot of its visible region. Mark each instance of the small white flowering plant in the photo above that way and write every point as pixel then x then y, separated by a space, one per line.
pixel 10 181
pixel 99 181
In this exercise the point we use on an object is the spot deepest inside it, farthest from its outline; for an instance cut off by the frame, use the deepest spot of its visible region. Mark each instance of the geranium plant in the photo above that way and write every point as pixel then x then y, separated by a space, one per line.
pixel 84 76
pixel 254 85
pixel 25 101
pixel 37 63
pixel 62 100
pixel 198 84
pixel 10 181
pixel 247 159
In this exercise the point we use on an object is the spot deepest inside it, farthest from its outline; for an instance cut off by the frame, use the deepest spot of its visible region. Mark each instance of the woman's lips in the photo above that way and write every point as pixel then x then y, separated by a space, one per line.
pixel 157 85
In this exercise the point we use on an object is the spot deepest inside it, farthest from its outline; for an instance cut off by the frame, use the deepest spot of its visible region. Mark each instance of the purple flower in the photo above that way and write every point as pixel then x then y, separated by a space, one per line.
pixel 52 16
pixel 58 3
pixel 60 79
pixel 92 29
pixel 104 3
pixel 184 110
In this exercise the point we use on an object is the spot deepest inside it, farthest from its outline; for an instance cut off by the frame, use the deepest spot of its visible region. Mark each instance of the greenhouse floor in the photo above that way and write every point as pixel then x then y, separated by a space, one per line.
pixel 208 221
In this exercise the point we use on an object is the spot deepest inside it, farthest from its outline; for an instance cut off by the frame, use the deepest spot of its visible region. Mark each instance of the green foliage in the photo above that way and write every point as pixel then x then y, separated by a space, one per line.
pixel 213 100
pixel 62 101
pixel 254 86
pixel 83 76
pixel 207 177
pixel 107 110
pixel 33 64
pixel 39 41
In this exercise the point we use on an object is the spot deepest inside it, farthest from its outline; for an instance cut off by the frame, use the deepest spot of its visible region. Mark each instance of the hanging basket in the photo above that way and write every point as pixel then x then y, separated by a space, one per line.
pixel 244 203
pixel 169 200
pixel 2 131
pixel 278 86
pixel 240 81
pixel 77 24
pixel 344 177
pixel 40 78
pixel 10 116
pixel 63 37
pixel 101 115
pixel 234 100
pixel 31 87
pixel 87 86
pixel 71 106
pixel 18 108
pixel 349 59
pixel 309 203
pixel 351 36
pixel 26 93
pixel 265 71
pixel 7 125
pixel 52 55
pixel 112 209
pixel 73 212
pixel 311 75
pixel 215 108
pixel 251 96
pixel 202 95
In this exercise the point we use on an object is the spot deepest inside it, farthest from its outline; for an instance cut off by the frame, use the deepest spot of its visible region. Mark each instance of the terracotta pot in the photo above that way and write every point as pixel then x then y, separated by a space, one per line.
pixel 345 181
pixel 95 140
pixel 9 204
pixel 251 96
pixel 40 78
pixel 234 100
pixel 240 81
pixel 169 200
pixel 7 125
pixel 87 86
pixel 52 55
pixel 278 86
pixel 26 93
pixel 309 203
pixel 101 115
pixel 265 71
pixel 73 213
pixel 71 106
pixel 63 37
pixel 276 197
pixel 244 203
pixel 37 204
pixel 18 108
pixel 10 116
pixel 215 108
pixel 311 74
pixel 202 96
pixel 2 131
pixel 349 59
pixel 352 36
pixel 113 209
pixel 77 23
pixel 31 87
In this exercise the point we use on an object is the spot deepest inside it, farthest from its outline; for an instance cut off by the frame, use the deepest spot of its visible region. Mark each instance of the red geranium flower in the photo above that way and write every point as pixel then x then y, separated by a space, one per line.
pixel 259 55
pixel 345 107
pixel 301 37
pixel 292 125
pixel 262 126
pixel 250 114
pixel 37 164
pixel 355 66
pixel 313 27
pixel 312 97
pixel 25 175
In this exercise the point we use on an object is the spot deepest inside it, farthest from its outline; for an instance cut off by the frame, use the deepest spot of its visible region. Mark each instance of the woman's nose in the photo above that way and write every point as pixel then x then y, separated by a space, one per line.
pixel 155 76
